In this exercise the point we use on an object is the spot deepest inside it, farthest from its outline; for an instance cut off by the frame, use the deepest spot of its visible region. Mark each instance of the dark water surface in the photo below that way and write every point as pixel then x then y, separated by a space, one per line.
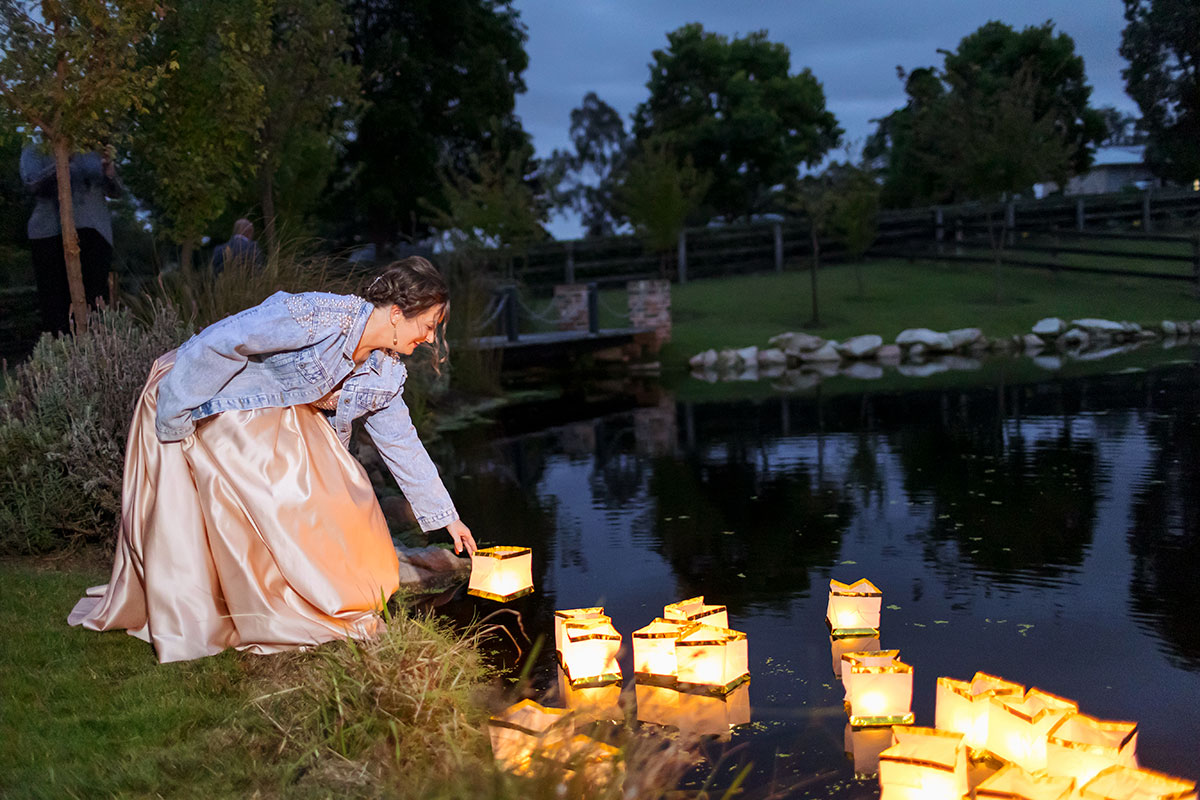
pixel 1045 532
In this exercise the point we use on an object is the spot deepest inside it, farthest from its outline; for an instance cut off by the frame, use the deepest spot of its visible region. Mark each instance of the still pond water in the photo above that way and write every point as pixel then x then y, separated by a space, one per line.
pixel 1046 532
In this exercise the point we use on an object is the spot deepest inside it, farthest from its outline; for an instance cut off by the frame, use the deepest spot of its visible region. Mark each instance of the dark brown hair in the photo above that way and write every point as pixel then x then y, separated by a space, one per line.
pixel 415 286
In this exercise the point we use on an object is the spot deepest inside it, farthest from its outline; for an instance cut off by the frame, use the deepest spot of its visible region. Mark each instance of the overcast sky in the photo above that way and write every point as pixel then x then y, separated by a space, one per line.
pixel 851 46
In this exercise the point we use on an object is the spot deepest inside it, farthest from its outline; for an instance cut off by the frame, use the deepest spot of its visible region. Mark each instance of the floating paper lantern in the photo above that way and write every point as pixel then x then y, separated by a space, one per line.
pixel 696 610
pixel 863 746
pixel 589 651
pixel 964 706
pixel 590 703
pixel 696 713
pixel 878 688
pixel 569 615
pixel 1080 746
pixel 501 573
pixel 524 728
pixel 583 760
pixel 1013 783
pixel 713 659
pixel 840 645
pixel 1018 726
pixel 654 651
pixel 1128 783
pixel 854 608
pixel 923 764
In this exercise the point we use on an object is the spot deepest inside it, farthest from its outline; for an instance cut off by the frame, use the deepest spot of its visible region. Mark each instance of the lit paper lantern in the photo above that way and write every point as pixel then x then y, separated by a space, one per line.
pixel 1018 726
pixel 590 703
pixel 561 618
pixel 525 728
pixel 854 608
pixel 1080 746
pixel 1013 783
pixel 1128 783
pixel 713 659
pixel 696 610
pixel 923 764
pixel 589 651
pixel 654 651
pixel 839 645
pixel 696 713
pixel 964 706
pixel 878 688
pixel 584 761
pixel 863 746
pixel 501 573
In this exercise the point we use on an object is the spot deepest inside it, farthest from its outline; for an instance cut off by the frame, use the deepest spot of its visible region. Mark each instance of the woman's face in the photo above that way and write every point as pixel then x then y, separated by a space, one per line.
pixel 412 332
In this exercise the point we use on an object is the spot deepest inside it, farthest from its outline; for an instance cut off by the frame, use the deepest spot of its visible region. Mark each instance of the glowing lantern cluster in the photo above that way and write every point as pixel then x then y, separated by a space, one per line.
pixel 1128 783
pixel 1013 783
pixel 589 651
pixel 501 573
pixel 1080 746
pixel 854 608
pixel 696 610
pixel 878 688
pixel 561 618
pixel 965 706
pixel 654 651
pixel 525 728
pixel 1017 726
pixel 923 764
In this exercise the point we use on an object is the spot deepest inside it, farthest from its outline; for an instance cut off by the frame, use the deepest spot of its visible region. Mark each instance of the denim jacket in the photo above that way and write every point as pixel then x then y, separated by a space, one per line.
pixel 293 349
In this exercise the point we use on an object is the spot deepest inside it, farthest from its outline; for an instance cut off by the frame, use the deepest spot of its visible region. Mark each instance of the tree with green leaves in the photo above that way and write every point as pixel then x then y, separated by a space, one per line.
pixel 440 78
pixel 311 96
pixel 70 71
pixel 658 194
pixel 191 155
pixel 1161 41
pixel 735 108
pixel 815 197
pixel 854 219
pixel 585 180
pixel 985 65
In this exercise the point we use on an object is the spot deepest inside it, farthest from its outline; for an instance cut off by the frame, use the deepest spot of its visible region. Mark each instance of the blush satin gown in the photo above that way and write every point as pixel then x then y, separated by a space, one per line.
pixel 259 531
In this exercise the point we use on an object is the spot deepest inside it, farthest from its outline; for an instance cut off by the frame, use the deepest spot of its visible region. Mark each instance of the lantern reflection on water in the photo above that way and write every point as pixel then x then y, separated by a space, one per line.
pixel 1014 783
pixel 654 651
pixel 501 573
pixel 584 761
pixel 713 659
pixel 697 713
pixel 863 746
pixel 1018 726
pixel 561 618
pixel 964 706
pixel 1128 783
pixel 1080 747
pixel 524 728
pixel 696 610
pixel 878 688
pixel 923 764
pixel 590 703
pixel 840 645
pixel 589 651
pixel 854 608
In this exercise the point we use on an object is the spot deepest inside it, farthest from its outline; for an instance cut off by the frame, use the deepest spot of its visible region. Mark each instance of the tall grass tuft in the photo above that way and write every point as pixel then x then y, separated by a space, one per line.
pixel 64 419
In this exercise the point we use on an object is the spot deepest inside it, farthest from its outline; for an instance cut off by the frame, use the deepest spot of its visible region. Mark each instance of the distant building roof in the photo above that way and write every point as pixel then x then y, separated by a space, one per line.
pixel 1118 155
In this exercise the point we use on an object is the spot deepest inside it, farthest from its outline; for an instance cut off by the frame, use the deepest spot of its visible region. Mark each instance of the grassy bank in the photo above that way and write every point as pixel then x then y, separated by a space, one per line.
pixel 748 310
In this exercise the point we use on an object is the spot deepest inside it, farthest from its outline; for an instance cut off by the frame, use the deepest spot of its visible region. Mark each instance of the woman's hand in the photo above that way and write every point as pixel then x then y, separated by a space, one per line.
pixel 462 537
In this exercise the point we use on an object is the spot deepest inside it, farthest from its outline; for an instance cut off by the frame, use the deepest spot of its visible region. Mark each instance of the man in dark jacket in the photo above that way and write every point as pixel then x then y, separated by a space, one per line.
pixel 239 249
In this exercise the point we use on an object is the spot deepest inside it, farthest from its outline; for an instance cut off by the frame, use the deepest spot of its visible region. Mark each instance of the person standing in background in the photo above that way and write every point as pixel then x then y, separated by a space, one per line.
pixel 240 248
pixel 93 178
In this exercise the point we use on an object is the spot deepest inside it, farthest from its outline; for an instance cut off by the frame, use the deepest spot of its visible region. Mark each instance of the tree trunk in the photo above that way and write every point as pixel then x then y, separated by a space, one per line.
pixel 997 242
pixel 70 238
pixel 858 277
pixel 268 211
pixel 185 252
pixel 816 264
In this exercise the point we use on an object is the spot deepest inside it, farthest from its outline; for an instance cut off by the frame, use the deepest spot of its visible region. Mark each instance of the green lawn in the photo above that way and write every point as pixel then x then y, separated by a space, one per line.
pixel 748 310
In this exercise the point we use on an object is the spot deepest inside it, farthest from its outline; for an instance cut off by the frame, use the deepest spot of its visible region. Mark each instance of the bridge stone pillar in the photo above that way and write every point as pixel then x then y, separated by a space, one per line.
pixel 650 307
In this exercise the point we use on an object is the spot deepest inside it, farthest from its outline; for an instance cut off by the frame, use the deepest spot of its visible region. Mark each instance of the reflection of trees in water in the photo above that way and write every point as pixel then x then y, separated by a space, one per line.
pixel 1165 539
pixel 717 519
pixel 1010 507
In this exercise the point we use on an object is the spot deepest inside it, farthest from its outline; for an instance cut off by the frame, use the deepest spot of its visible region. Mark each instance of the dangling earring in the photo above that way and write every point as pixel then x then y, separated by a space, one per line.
pixel 395 336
